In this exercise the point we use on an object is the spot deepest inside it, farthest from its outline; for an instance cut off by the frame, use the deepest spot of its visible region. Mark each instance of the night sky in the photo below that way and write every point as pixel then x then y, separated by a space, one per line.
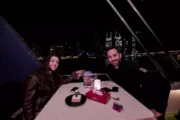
pixel 80 26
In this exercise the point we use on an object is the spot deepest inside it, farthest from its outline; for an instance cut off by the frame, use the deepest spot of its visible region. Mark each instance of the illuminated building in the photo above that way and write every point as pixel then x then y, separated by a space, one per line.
pixel 125 46
pixel 133 53
pixel 118 41
pixel 98 45
pixel 108 40
pixel 56 49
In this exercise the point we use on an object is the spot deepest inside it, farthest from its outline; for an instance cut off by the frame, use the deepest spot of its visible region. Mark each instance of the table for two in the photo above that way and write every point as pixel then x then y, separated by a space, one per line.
pixel 57 109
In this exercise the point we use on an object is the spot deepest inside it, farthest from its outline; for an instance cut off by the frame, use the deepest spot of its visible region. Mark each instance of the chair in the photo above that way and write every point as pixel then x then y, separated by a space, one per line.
pixel 178 116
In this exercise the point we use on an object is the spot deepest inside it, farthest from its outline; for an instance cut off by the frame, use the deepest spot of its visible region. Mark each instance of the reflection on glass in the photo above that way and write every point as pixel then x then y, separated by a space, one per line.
pixel 88 78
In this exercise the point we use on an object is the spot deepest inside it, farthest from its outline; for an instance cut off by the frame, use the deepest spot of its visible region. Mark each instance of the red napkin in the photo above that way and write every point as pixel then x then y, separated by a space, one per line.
pixel 104 98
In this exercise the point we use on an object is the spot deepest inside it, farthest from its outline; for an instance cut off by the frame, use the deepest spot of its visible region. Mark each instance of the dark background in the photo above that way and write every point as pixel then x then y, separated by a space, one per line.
pixel 78 21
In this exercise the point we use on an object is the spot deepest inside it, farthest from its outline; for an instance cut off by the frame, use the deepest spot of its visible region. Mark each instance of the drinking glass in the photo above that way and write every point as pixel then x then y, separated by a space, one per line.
pixel 88 79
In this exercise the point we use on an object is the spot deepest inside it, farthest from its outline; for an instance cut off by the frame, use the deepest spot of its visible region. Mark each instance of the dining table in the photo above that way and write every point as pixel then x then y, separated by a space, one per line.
pixel 57 109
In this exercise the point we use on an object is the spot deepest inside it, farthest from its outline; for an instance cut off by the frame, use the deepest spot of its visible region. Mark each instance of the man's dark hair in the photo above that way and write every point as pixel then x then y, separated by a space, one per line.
pixel 112 48
pixel 117 50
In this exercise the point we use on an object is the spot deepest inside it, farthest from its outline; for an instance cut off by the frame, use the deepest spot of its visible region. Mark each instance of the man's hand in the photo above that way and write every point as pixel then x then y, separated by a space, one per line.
pixel 156 114
pixel 79 73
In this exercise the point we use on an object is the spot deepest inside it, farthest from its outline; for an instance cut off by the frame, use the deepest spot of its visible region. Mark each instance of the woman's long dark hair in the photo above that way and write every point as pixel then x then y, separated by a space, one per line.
pixel 43 70
pixel 45 66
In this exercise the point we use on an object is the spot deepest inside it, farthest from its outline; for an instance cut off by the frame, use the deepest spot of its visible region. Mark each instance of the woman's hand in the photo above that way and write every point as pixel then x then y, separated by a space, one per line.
pixel 79 73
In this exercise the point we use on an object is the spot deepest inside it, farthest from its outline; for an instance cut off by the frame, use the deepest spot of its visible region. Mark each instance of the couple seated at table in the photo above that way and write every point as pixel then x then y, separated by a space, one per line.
pixel 43 83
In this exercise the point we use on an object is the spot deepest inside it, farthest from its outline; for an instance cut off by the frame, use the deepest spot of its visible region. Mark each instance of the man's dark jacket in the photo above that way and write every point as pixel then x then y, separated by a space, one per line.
pixel 150 90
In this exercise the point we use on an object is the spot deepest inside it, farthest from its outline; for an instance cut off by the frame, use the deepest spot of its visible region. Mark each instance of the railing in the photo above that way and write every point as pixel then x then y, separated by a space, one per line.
pixel 155 36
pixel 95 74
pixel 158 67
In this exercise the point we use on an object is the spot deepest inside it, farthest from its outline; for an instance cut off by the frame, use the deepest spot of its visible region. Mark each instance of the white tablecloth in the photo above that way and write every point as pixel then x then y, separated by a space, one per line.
pixel 56 108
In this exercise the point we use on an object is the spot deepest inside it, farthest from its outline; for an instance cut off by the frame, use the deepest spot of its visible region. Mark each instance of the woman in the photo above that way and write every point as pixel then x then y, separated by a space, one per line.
pixel 41 85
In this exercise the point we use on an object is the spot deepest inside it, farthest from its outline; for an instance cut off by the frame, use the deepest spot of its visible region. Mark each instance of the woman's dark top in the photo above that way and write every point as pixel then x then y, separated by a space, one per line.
pixel 39 88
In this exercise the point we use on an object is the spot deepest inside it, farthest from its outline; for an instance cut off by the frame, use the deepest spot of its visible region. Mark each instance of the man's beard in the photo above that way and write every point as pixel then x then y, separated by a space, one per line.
pixel 116 62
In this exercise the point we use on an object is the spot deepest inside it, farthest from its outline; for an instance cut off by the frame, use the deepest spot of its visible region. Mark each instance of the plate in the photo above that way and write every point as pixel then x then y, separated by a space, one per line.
pixel 69 98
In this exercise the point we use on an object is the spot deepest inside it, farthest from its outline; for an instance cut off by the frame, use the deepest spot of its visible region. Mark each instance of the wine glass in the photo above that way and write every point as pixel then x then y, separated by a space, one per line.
pixel 88 78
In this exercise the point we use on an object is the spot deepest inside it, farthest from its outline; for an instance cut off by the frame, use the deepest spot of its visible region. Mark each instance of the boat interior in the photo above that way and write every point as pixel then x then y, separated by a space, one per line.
pixel 18 60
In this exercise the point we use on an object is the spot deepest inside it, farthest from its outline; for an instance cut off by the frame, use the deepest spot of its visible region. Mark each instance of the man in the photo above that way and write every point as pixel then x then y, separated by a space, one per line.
pixel 136 81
